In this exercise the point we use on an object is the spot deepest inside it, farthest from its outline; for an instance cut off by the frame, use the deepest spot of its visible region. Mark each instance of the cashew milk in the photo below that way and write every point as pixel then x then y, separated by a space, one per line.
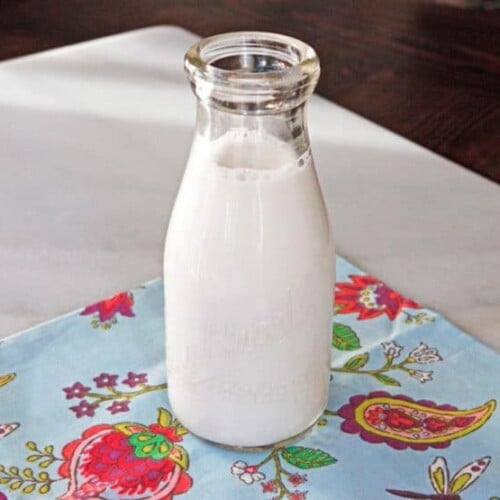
pixel 248 282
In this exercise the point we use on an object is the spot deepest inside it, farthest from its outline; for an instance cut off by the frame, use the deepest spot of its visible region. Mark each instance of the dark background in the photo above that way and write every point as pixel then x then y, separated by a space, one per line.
pixel 429 71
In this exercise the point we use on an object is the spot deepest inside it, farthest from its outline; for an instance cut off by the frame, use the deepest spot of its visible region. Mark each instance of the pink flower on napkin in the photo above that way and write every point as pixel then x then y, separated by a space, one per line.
pixel 135 379
pixel 298 495
pixel 297 479
pixel 118 407
pixel 77 390
pixel 105 380
pixel 105 311
pixel 84 409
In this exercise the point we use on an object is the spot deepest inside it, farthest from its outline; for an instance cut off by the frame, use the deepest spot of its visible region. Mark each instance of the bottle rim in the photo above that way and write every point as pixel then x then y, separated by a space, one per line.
pixel 252 71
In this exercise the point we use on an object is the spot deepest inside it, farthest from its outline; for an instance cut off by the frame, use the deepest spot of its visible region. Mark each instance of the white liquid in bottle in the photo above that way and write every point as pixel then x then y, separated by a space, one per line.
pixel 248 283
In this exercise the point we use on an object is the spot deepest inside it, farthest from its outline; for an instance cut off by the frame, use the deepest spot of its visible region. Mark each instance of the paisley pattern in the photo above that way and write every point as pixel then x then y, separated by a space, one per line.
pixel 401 422
pixel 84 410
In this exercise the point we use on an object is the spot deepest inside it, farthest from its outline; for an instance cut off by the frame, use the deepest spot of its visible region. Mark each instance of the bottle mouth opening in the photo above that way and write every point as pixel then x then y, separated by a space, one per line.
pixel 252 71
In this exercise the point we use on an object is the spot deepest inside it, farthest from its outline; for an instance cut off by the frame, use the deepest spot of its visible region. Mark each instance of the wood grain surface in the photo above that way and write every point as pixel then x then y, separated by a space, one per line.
pixel 429 72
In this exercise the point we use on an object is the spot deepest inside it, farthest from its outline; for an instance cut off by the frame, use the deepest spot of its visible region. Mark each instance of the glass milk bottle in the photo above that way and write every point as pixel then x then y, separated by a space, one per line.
pixel 249 257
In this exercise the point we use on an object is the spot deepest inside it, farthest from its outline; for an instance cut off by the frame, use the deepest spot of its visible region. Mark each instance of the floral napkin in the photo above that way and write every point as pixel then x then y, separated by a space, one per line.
pixel 412 413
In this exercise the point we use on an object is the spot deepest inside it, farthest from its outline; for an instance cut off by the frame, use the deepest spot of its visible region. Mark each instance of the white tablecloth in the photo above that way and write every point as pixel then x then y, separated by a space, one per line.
pixel 93 141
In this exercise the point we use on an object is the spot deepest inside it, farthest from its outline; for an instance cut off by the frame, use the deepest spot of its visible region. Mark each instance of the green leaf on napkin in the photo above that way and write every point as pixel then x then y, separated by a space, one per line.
pixel 164 417
pixel 306 458
pixel 384 379
pixel 179 456
pixel 344 338
pixel 44 488
pixel 31 445
pixel 150 445
pixel 357 362
pixel 30 488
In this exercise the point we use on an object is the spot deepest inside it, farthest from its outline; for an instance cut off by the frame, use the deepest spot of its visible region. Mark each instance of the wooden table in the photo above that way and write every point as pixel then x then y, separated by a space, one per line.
pixel 428 72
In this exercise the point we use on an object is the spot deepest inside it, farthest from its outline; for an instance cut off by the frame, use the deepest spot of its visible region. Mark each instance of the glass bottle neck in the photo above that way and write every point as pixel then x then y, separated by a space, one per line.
pixel 251 72
pixel 288 128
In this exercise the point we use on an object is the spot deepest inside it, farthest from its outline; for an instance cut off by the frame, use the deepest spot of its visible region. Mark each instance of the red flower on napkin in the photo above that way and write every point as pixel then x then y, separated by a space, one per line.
pixel 105 311
pixel 370 298
pixel 129 458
